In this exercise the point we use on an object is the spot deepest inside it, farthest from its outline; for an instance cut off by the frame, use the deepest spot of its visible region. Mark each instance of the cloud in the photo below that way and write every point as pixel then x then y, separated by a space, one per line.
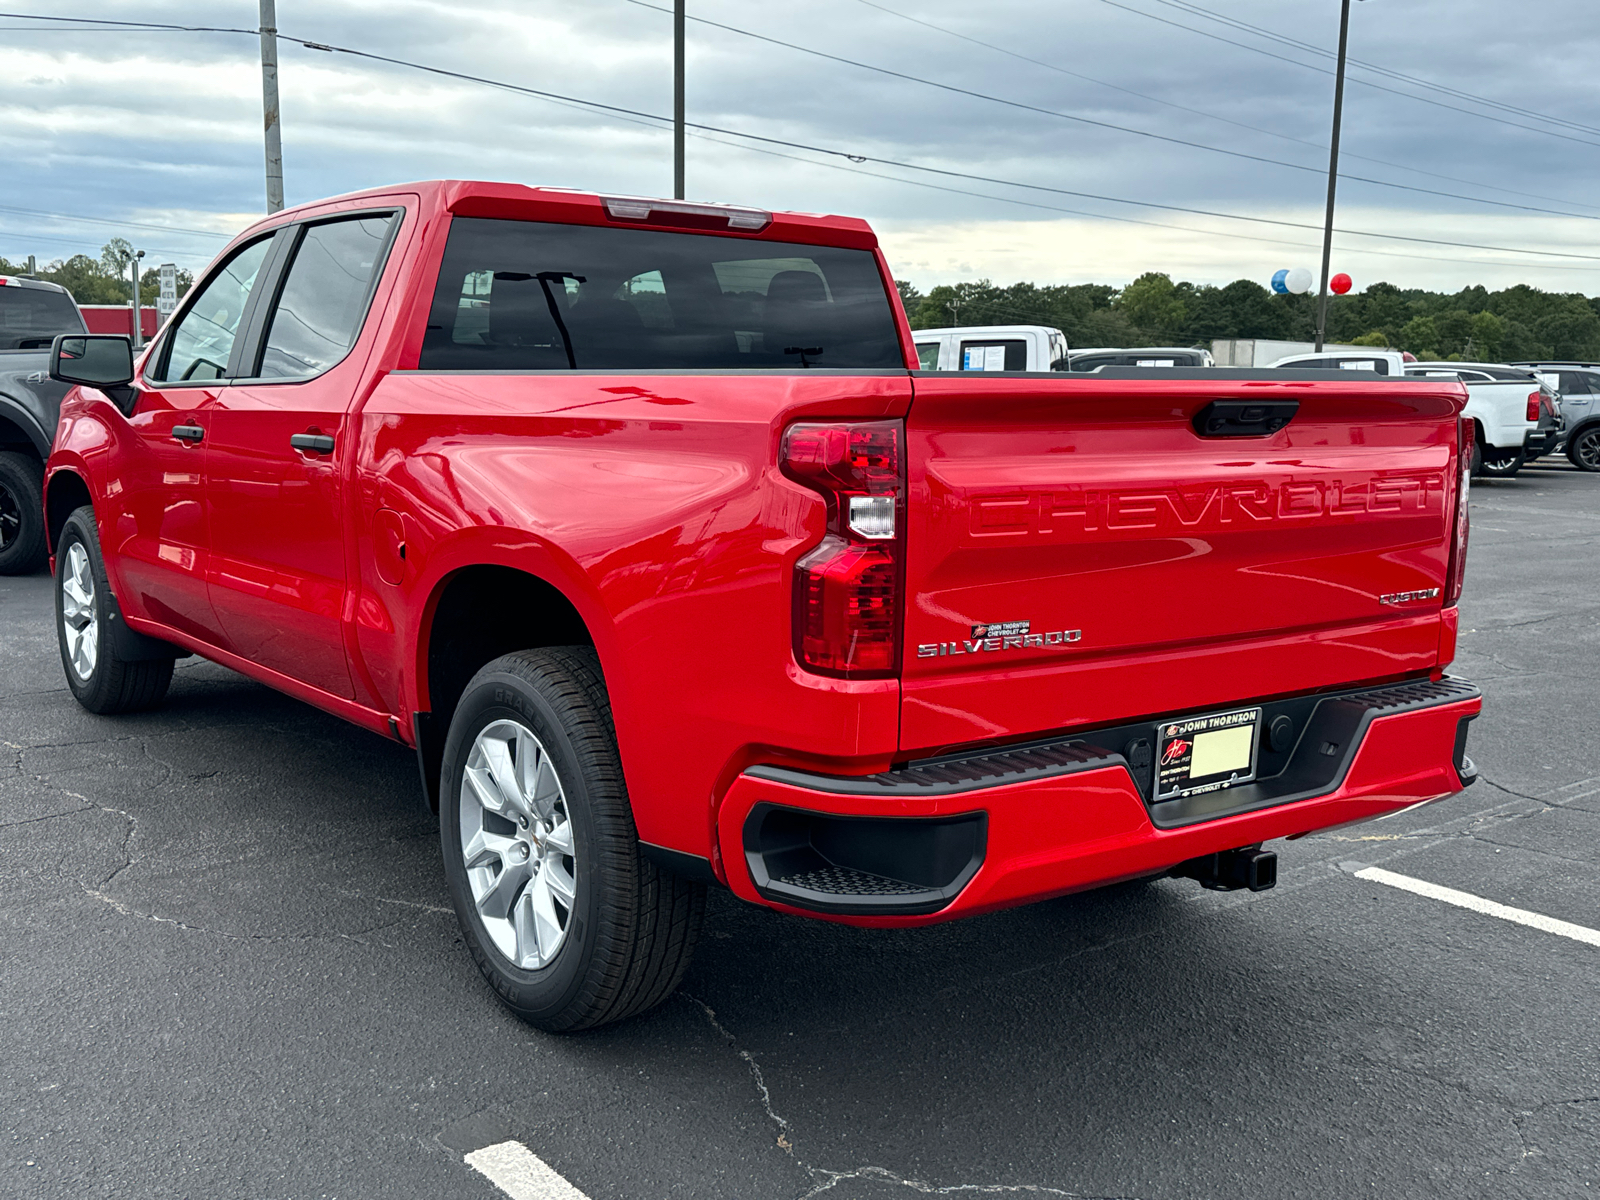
pixel 164 129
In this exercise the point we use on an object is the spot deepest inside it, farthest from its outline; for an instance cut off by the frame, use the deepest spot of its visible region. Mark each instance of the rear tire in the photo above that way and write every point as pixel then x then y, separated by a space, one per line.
pixel 22 544
pixel 1583 450
pixel 100 679
pixel 568 922
pixel 1501 464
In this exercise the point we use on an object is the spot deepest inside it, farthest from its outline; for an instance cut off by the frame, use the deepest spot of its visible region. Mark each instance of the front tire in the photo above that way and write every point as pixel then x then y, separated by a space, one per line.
pixel 101 680
pixel 568 922
pixel 22 545
pixel 1584 450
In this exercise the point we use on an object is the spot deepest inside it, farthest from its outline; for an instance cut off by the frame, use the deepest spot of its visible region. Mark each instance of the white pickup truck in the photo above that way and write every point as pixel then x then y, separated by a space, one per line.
pixel 1505 403
pixel 990 348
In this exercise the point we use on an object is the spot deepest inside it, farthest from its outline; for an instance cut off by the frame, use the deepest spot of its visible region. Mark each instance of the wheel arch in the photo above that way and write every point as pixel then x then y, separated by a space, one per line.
pixel 20 431
pixel 474 614
pixel 65 492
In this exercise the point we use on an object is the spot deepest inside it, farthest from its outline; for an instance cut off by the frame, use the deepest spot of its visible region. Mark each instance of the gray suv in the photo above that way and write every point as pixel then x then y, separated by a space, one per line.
pixel 1579 385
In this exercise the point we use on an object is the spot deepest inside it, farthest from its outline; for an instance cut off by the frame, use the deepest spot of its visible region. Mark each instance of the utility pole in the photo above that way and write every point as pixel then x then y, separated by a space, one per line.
pixel 269 104
pixel 1333 173
pixel 138 323
pixel 677 98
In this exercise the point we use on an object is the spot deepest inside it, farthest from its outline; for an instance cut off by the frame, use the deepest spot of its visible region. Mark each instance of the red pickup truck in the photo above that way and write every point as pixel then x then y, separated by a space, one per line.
pixel 637 520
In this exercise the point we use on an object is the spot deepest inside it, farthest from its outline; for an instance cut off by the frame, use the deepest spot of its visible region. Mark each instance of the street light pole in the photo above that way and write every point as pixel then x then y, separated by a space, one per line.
pixel 1333 173
pixel 138 323
pixel 269 104
pixel 677 99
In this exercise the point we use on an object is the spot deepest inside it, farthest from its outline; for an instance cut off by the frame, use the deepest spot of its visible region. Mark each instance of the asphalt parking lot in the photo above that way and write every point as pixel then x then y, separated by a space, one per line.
pixel 228 968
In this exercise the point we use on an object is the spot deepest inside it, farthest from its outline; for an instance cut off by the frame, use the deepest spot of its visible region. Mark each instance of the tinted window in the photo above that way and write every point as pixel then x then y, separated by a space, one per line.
pixel 1575 383
pixel 30 318
pixel 202 340
pixel 1007 355
pixel 520 295
pixel 928 356
pixel 324 297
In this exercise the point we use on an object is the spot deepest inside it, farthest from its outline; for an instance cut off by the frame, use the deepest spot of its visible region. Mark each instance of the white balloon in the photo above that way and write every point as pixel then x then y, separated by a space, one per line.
pixel 1298 281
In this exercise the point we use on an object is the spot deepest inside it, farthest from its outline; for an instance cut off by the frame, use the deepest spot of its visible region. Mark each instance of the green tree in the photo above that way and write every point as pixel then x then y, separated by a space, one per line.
pixel 1420 336
pixel 909 296
pixel 1154 304
pixel 1376 339
pixel 1488 336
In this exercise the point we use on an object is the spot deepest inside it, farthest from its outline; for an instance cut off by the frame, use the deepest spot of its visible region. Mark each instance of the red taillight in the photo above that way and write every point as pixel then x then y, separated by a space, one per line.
pixel 1533 406
pixel 1456 574
pixel 847 589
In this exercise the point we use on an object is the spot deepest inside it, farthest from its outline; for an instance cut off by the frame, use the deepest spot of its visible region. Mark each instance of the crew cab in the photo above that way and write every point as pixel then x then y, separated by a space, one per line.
pixel 639 523
pixel 990 348
pixel 32 313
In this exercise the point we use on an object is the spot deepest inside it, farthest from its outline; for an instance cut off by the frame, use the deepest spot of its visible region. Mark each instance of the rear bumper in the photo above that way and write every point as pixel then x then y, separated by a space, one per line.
pixel 933 842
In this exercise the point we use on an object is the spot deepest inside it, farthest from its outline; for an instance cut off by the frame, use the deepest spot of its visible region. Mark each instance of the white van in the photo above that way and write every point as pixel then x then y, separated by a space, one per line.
pixel 990 348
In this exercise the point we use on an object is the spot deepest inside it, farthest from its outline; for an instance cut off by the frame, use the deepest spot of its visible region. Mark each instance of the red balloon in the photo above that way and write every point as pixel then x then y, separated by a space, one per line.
pixel 1339 284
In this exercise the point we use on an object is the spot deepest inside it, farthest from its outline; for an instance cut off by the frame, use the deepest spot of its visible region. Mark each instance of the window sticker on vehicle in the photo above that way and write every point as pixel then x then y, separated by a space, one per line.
pixel 1206 754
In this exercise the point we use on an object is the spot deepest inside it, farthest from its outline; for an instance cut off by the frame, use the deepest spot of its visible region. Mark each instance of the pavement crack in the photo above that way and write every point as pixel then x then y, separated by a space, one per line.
pixel 784 1141
pixel 825 1179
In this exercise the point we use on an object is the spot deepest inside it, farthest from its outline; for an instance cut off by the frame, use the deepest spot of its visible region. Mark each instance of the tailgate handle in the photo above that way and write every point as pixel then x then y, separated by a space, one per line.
pixel 1244 418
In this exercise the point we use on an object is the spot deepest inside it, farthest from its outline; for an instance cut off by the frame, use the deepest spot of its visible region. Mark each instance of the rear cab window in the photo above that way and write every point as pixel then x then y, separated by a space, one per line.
pixel 30 318
pixel 531 296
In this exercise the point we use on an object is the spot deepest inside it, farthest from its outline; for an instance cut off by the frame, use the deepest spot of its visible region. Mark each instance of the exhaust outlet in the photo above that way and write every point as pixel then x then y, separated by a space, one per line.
pixel 1229 871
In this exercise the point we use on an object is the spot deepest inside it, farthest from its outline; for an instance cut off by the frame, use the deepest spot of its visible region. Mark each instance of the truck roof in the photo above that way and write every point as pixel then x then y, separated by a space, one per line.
pixel 26 281
pixel 517 201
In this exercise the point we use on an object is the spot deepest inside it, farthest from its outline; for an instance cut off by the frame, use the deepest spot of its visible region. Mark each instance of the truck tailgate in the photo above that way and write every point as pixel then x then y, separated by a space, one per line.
pixel 1077 552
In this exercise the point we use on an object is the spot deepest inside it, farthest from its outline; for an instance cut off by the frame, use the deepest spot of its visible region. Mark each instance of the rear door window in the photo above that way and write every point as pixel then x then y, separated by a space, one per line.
pixel 201 342
pixel 1010 354
pixel 928 356
pixel 324 296
pixel 30 318
pixel 1575 383
pixel 530 296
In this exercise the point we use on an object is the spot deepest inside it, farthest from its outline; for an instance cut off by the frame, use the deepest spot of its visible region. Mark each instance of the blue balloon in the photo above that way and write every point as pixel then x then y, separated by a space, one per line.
pixel 1278 284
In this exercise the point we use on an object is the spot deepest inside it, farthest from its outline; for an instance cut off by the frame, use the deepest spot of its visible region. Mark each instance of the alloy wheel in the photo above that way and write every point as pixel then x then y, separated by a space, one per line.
pixel 517 844
pixel 79 624
pixel 1587 450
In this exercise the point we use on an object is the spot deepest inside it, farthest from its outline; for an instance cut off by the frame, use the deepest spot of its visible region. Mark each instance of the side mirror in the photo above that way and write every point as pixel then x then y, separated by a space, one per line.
pixel 98 360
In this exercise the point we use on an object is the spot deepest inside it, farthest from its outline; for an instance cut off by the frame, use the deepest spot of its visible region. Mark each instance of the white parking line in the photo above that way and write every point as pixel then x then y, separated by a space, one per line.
pixel 1566 929
pixel 521 1174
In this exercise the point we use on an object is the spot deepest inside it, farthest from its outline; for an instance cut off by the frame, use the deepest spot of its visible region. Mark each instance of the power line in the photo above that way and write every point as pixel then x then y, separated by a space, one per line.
pixel 1211 115
pixel 953 88
pixel 34 212
pixel 620 110
pixel 1160 137
pixel 1363 82
pixel 1416 81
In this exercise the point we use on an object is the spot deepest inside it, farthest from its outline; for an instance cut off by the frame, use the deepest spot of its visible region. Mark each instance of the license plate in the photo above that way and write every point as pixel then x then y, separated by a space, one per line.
pixel 1206 754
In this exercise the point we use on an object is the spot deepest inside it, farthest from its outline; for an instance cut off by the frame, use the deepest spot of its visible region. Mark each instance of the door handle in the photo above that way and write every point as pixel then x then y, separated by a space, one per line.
pixel 313 443
pixel 190 434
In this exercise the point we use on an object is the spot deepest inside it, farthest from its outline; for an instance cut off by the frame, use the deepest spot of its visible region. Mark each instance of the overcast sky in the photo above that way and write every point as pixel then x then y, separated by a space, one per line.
pixel 164 129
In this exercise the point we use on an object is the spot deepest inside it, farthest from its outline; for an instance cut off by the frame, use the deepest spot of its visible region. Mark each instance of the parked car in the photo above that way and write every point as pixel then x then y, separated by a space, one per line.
pixel 990 348
pixel 1137 356
pixel 32 313
pixel 1579 385
pixel 1515 419
pixel 544 485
